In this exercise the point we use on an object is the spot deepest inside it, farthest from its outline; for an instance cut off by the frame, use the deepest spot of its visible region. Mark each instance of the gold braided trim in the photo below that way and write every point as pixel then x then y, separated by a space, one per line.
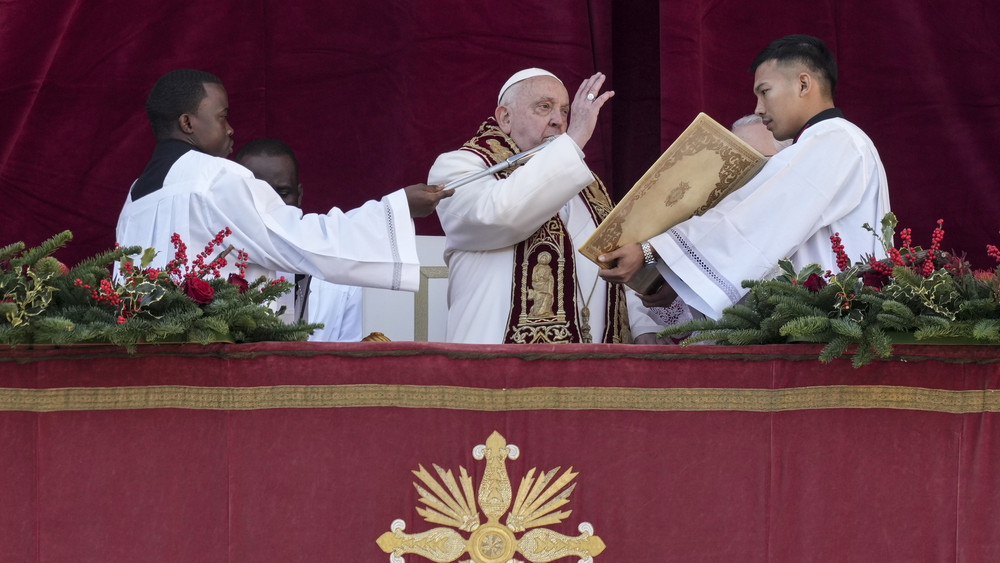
pixel 498 400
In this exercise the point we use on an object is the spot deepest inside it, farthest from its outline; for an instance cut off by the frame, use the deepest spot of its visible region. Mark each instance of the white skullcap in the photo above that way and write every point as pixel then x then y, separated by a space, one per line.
pixel 524 75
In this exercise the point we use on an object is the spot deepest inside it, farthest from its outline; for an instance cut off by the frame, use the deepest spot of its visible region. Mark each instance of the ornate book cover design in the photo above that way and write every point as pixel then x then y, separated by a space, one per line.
pixel 705 164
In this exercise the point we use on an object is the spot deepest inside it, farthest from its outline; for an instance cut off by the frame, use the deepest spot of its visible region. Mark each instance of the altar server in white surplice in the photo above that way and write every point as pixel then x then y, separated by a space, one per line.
pixel 189 188
pixel 337 307
pixel 510 238
pixel 830 180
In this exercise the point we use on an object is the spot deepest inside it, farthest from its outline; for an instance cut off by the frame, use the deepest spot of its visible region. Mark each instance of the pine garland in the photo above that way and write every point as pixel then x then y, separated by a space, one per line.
pixel 926 294
pixel 43 302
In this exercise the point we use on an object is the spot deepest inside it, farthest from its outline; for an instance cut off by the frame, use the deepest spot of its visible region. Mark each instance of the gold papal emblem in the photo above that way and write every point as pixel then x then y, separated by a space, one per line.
pixel 452 504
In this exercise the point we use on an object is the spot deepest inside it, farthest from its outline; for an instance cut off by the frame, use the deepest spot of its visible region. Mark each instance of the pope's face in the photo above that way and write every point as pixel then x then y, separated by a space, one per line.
pixel 211 131
pixel 539 111
pixel 779 102
pixel 758 137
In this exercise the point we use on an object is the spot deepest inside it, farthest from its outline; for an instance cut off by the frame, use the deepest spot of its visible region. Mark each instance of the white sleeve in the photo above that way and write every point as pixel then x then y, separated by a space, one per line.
pixel 338 307
pixel 800 190
pixel 488 214
pixel 639 317
pixel 374 245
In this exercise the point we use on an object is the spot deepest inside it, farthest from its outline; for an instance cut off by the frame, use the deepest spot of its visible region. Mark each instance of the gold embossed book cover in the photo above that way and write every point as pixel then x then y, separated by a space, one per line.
pixel 705 164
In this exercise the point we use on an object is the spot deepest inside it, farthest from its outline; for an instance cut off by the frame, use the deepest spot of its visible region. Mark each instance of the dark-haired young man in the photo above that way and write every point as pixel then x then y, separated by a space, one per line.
pixel 189 188
pixel 830 180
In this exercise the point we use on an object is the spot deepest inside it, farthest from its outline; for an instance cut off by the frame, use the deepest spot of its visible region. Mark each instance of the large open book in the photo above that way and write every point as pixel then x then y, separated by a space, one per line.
pixel 705 164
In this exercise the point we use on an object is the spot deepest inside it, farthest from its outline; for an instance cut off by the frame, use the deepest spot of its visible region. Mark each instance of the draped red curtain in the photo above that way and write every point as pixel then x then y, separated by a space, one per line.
pixel 369 93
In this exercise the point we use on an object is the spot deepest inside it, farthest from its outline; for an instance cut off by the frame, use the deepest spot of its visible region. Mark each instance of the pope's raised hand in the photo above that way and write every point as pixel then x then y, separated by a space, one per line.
pixel 586 107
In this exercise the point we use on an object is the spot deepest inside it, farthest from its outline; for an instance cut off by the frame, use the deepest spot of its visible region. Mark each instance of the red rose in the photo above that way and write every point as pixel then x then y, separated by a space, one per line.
pixel 814 283
pixel 198 290
pixel 874 279
pixel 239 281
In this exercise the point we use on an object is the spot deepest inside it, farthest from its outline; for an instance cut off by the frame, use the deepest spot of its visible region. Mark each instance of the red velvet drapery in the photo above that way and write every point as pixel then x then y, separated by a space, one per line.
pixel 369 93
pixel 304 451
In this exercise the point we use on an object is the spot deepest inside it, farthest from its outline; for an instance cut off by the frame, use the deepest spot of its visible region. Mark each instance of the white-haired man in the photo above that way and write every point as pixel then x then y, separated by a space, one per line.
pixel 751 129
pixel 514 273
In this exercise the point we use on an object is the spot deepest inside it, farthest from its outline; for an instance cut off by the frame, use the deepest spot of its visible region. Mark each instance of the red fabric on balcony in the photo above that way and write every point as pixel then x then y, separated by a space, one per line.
pixel 304 451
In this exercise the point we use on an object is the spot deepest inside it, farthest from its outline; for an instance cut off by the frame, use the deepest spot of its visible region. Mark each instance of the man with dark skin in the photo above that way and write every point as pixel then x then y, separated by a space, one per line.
pixel 337 307
pixel 189 188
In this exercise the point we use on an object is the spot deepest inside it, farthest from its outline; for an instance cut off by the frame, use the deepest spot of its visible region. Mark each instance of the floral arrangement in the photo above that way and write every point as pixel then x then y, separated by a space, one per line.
pixel 44 302
pixel 914 295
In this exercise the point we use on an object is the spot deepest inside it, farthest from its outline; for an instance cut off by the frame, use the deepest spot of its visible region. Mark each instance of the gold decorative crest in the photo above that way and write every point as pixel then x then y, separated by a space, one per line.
pixel 452 503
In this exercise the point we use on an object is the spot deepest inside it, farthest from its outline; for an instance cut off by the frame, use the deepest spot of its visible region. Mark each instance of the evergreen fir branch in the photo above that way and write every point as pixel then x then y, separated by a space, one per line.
pixel 987 330
pixel 894 322
pixel 54 330
pixel 939 331
pixel 741 316
pixel 748 337
pixel 978 308
pixel 930 322
pixel 694 325
pixel 10 251
pixel 836 348
pixel 100 262
pixel 879 341
pixel 717 336
pixel 897 309
pixel 848 328
pixel 787 307
pixel 863 355
pixel 802 327
pixel 31 256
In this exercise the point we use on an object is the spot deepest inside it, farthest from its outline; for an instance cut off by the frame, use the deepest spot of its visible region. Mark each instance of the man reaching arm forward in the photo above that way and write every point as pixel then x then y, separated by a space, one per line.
pixel 189 188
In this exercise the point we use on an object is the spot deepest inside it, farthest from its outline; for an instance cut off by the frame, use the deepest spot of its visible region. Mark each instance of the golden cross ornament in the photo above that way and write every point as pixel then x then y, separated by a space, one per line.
pixel 452 503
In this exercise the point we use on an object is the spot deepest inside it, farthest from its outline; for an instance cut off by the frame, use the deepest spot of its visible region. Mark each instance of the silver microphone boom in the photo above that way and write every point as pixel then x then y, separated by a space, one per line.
pixel 511 162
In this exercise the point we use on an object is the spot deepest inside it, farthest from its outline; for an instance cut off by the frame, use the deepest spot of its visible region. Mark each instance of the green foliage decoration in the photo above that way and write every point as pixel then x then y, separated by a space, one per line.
pixel 913 294
pixel 116 297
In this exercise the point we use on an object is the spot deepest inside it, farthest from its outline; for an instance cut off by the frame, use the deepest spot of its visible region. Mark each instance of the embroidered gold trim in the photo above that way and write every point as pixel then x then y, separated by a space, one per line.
pixel 499 400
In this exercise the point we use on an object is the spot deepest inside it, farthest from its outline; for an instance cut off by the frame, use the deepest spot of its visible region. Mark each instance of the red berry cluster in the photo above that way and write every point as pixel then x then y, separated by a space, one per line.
pixel 241 261
pixel 199 268
pixel 843 261
pixel 105 293
pixel 993 252
pixel 936 237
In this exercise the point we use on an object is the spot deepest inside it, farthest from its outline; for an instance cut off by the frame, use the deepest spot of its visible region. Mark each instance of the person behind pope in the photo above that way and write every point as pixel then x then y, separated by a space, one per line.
pixel 751 129
pixel 191 189
pixel 337 307
pixel 510 238
pixel 829 181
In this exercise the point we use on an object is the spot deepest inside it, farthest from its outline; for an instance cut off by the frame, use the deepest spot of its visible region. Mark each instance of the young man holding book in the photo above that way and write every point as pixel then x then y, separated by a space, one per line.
pixel 829 181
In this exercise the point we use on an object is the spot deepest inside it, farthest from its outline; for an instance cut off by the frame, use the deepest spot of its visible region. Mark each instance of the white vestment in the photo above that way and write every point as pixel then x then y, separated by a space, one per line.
pixel 373 245
pixel 486 218
pixel 831 180
pixel 338 307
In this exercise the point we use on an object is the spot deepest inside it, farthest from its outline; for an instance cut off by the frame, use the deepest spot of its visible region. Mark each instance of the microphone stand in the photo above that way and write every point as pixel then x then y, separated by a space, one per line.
pixel 512 162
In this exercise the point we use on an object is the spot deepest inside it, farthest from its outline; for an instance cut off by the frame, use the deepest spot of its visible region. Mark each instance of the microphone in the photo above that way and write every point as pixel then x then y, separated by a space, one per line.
pixel 511 162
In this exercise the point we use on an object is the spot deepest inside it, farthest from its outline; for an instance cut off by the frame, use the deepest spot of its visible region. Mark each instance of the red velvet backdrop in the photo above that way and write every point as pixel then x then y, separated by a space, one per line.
pixel 369 93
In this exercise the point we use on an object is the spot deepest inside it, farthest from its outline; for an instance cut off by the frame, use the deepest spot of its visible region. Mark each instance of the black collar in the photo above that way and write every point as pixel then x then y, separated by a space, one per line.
pixel 164 156
pixel 821 116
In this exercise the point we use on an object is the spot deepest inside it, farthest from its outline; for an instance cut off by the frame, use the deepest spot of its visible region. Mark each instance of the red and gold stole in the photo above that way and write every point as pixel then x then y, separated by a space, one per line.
pixel 545 302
